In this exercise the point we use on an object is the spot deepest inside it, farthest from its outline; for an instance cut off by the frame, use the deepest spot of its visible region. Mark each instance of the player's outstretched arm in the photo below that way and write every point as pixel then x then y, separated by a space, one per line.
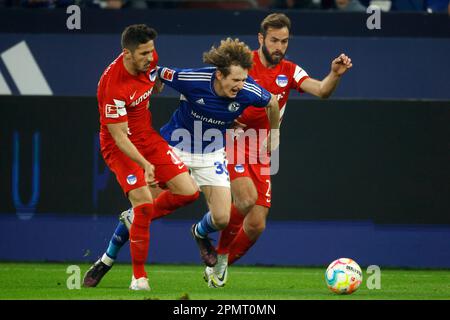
pixel 119 132
pixel 325 88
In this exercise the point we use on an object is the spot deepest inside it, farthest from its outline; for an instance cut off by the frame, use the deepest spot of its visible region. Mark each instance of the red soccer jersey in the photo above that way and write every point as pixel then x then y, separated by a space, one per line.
pixel 124 97
pixel 278 81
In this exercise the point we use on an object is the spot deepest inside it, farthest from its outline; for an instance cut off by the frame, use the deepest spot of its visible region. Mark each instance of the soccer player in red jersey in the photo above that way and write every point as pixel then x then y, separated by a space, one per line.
pixel 250 182
pixel 133 150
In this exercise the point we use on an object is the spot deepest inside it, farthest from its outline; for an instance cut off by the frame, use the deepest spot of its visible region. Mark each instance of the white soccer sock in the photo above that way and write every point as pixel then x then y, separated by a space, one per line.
pixel 107 260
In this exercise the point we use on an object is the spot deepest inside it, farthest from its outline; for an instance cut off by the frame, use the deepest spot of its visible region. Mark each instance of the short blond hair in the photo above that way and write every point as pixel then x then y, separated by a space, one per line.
pixel 231 52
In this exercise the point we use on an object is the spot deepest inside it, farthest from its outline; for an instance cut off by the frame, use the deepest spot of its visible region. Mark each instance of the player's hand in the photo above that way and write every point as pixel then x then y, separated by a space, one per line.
pixel 238 128
pixel 341 64
pixel 149 174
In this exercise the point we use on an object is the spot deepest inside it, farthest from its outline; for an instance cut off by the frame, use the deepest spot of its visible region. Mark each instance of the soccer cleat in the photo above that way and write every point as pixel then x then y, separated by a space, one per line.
pixel 207 273
pixel 127 217
pixel 139 284
pixel 207 251
pixel 95 274
pixel 217 276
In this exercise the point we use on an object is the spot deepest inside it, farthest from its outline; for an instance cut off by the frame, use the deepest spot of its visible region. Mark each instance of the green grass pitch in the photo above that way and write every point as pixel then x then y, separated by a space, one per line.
pixel 170 282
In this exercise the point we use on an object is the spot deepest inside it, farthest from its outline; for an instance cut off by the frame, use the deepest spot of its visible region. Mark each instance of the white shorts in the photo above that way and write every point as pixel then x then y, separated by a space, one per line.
pixel 207 169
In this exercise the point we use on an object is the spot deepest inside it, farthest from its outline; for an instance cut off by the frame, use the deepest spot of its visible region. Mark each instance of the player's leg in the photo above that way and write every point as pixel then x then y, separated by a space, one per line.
pixel 244 198
pixel 218 199
pixel 254 225
pixel 142 203
pixel 182 191
pixel 255 221
pixel 170 169
pixel 130 177
pixel 118 240
pixel 173 175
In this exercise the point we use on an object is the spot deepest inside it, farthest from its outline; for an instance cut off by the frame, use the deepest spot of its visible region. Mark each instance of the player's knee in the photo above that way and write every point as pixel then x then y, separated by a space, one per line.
pixel 255 230
pixel 246 201
pixel 140 196
pixel 183 184
pixel 244 194
pixel 255 227
pixel 221 221
pixel 244 206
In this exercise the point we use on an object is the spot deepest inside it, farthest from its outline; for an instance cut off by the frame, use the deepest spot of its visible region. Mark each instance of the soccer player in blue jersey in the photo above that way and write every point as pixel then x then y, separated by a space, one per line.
pixel 211 99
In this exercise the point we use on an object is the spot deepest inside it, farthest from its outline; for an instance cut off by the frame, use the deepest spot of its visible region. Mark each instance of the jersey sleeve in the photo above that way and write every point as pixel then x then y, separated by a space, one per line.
pixel 259 97
pixel 112 105
pixel 169 76
pixel 298 76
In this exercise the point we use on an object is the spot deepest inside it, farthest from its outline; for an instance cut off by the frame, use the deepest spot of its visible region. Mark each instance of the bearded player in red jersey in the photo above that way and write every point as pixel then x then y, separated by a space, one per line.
pixel 250 182
pixel 133 150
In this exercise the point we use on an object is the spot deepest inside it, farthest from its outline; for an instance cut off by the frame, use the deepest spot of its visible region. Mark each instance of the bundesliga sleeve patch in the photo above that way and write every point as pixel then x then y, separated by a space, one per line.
pixel 115 110
pixel 167 74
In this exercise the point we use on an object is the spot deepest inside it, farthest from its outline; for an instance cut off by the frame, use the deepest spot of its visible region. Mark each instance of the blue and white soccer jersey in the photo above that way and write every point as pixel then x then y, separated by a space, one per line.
pixel 197 129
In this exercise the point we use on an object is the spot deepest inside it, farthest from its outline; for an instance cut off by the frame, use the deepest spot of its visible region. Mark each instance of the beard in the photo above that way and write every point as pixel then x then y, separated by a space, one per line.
pixel 140 66
pixel 273 60
pixel 145 67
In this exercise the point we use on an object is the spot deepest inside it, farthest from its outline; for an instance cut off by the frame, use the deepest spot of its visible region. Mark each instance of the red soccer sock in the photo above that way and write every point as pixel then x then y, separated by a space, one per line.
pixel 230 232
pixel 139 238
pixel 167 202
pixel 239 246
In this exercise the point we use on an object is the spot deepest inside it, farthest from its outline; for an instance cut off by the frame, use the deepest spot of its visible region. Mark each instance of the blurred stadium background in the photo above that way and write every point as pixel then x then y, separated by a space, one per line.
pixel 364 175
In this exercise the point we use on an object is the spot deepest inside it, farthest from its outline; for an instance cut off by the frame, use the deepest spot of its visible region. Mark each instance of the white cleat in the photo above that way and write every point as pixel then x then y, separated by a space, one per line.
pixel 207 273
pixel 217 276
pixel 139 284
pixel 127 217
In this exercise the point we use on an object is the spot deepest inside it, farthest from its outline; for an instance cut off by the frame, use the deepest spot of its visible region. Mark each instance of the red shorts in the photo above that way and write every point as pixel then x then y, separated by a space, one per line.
pixel 262 181
pixel 131 176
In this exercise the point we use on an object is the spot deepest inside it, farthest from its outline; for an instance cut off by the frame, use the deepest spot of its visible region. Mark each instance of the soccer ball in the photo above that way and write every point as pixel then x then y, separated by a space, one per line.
pixel 343 276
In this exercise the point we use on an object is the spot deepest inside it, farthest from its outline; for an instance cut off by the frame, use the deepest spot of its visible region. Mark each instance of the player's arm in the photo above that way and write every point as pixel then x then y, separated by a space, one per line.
pixel 325 88
pixel 273 113
pixel 169 77
pixel 119 132
pixel 159 86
